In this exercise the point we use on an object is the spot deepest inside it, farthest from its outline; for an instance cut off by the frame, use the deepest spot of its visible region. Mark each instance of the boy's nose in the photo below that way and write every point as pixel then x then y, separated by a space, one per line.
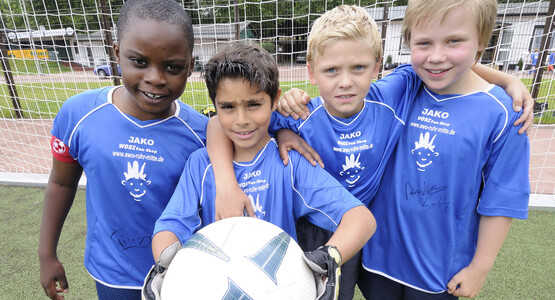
pixel 437 54
pixel 345 81
pixel 242 118
pixel 154 76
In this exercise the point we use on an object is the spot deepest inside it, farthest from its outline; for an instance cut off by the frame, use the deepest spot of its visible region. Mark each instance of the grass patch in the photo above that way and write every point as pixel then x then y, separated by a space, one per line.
pixel 523 270
pixel 36 66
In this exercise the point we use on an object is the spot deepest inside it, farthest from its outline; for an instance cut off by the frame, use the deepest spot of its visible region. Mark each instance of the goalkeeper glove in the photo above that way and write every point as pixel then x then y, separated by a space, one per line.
pixel 325 263
pixel 153 281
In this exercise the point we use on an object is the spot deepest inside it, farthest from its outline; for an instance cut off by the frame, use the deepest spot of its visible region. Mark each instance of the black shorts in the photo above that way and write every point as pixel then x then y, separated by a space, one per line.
pixel 377 287
pixel 310 237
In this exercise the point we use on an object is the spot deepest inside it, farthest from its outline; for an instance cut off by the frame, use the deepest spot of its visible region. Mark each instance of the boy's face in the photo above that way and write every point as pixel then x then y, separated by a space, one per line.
pixel 442 53
pixel 155 61
pixel 343 74
pixel 244 116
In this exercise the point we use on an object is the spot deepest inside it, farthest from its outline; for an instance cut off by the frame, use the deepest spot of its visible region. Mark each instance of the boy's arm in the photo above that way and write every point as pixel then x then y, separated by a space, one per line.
pixel 161 241
pixel 516 89
pixel 231 201
pixel 58 199
pixel 491 235
pixel 354 230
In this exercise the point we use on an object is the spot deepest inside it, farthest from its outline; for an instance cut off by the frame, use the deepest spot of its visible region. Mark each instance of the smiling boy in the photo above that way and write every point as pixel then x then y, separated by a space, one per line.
pixel 243 84
pixel 459 173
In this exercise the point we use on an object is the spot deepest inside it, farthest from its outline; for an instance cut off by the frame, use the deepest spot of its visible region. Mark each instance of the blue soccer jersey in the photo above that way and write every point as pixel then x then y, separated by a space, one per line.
pixel 279 194
pixel 355 150
pixel 458 157
pixel 132 168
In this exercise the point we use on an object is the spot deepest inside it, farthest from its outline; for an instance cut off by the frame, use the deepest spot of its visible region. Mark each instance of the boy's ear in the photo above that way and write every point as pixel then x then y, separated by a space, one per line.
pixel 311 74
pixel 276 101
pixel 116 51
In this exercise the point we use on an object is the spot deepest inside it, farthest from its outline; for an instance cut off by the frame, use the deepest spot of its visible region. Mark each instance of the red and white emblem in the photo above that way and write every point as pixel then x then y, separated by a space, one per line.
pixel 58 146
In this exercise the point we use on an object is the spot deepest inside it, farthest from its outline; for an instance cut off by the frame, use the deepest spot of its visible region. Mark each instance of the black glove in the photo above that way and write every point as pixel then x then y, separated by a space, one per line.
pixel 153 281
pixel 325 263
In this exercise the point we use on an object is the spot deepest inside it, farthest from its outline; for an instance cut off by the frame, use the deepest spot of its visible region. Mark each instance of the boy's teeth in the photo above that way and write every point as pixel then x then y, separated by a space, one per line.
pixel 436 71
pixel 153 96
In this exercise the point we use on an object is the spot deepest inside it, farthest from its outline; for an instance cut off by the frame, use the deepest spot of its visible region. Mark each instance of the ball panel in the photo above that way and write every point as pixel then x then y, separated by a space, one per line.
pixel 263 262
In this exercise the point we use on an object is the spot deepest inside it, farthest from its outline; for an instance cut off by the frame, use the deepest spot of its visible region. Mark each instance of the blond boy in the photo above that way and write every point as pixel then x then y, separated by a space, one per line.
pixel 459 173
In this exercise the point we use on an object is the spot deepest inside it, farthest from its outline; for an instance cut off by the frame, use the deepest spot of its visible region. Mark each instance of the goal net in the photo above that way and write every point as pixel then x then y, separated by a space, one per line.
pixel 52 50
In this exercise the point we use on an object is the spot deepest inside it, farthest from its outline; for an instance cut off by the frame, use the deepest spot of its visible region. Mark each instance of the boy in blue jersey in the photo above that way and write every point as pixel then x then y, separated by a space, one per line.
pixel 534 56
pixel 132 142
pixel 243 84
pixel 459 173
pixel 353 125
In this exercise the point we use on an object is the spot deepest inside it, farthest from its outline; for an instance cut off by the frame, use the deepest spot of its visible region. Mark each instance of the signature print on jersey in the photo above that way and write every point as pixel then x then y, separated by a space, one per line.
pixel 424 151
pixel 135 180
pixel 351 169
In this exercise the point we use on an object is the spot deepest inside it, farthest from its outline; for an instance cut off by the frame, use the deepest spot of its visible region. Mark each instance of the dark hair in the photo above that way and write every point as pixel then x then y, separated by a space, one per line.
pixel 163 11
pixel 250 62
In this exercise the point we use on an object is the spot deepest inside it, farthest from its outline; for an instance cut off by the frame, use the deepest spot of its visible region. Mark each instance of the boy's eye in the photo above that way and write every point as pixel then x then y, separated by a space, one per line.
pixel 138 61
pixel 331 70
pixel 254 104
pixel 423 43
pixel 174 68
pixel 359 68
pixel 454 41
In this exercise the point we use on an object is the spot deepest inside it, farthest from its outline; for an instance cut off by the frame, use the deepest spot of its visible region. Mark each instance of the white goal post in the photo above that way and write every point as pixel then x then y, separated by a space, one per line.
pixel 52 50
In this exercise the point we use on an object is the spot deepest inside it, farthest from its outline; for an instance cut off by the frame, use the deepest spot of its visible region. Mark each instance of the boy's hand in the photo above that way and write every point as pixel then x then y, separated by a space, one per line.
pixel 325 263
pixel 155 278
pixel 53 278
pixel 233 203
pixel 522 98
pixel 288 140
pixel 293 103
pixel 468 282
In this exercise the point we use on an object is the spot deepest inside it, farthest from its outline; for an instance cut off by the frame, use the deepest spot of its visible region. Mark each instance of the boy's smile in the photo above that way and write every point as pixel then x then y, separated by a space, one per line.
pixel 155 61
pixel 244 115
pixel 343 73
pixel 444 50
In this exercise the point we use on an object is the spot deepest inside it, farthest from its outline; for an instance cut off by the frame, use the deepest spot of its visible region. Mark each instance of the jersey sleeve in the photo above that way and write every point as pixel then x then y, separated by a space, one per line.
pixel 320 197
pixel 397 90
pixel 506 188
pixel 182 214
pixel 60 151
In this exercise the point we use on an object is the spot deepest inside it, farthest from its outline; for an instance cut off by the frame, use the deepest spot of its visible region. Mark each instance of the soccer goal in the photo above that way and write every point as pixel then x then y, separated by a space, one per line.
pixel 52 50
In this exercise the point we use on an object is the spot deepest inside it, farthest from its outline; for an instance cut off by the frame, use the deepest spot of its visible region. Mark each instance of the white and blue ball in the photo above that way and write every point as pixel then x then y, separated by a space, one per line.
pixel 239 258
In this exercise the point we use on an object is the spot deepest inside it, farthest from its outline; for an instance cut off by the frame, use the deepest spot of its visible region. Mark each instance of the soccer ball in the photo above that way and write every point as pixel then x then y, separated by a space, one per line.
pixel 239 258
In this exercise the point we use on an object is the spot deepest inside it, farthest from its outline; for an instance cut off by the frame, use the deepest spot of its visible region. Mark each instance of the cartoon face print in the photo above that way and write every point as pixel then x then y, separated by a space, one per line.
pixel 351 168
pixel 257 207
pixel 424 151
pixel 135 180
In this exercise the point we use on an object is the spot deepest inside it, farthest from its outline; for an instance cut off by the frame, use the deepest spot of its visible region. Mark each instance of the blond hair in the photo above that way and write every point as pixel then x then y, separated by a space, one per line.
pixel 484 12
pixel 345 22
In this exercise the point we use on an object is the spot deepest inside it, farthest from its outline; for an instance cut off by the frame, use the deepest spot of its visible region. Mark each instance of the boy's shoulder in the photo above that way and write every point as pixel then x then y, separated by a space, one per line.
pixel 85 102
pixel 190 115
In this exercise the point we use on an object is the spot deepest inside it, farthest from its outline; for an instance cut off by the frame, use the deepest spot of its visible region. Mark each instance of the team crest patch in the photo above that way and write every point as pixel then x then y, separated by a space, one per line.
pixel 58 146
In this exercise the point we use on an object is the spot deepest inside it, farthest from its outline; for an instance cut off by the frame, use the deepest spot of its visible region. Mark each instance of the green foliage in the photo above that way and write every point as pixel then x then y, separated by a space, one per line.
pixel 56 14
pixel 269 46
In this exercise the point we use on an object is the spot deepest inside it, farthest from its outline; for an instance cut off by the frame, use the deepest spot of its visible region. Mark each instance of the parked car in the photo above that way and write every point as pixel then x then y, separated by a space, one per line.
pixel 104 70
pixel 301 59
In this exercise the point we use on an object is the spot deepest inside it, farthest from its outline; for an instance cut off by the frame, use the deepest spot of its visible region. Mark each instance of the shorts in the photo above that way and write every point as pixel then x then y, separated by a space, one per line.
pixel 377 287
pixel 310 237
pixel 105 292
